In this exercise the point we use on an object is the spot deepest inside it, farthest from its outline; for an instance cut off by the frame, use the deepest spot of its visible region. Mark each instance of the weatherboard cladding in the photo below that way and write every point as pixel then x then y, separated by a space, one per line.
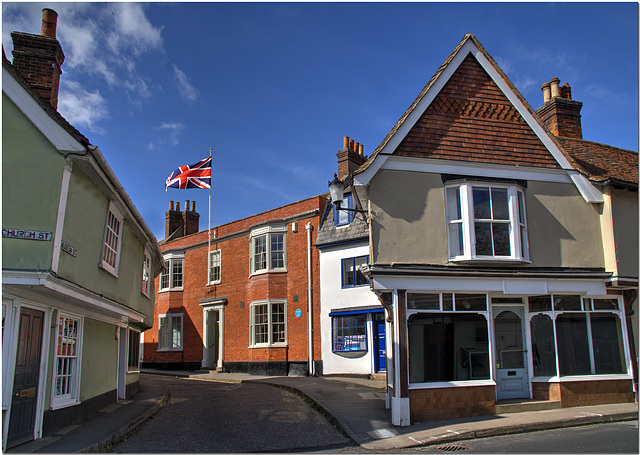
pixel 472 120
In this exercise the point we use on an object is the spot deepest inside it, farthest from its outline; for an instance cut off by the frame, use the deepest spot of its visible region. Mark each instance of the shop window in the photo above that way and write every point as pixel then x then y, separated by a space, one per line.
pixel 543 345
pixel 349 333
pixel 608 350
pixel 448 347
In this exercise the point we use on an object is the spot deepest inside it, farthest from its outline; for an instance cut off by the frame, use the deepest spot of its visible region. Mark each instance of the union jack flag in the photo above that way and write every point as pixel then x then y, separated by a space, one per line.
pixel 195 176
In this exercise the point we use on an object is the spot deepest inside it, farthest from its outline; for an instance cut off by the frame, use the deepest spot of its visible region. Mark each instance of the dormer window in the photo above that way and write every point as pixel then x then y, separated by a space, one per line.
pixel 486 222
pixel 341 217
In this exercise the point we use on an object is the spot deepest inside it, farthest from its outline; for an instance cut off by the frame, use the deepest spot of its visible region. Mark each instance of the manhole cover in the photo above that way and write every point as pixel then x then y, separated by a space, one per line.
pixel 452 448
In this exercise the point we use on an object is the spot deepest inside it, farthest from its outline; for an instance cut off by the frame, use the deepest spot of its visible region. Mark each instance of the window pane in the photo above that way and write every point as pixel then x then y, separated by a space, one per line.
pixel 501 241
pixel 164 277
pixel 423 301
pixel 447 302
pixel 481 204
pixel 277 251
pixel 573 344
pixel 278 322
pixel 447 347
pixel 347 272
pixel 567 303
pixel 341 216
pixel 500 203
pixel 454 210
pixel 605 304
pixel 608 350
pixel 540 303
pixel 260 253
pixel 176 331
pixel 360 280
pixel 261 323
pixel 456 242
pixel 176 274
pixel 471 302
pixel 484 246
pixel 543 345
pixel 349 333
pixel 163 333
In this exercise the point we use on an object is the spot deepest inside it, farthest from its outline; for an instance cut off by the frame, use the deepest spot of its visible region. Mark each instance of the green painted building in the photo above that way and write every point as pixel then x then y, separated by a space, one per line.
pixel 78 260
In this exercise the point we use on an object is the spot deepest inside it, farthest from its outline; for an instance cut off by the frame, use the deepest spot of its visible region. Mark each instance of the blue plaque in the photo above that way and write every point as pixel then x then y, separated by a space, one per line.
pixel 298 312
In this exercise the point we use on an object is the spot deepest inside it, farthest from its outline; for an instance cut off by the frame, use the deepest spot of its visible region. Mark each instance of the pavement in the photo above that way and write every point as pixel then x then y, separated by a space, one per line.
pixel 356 404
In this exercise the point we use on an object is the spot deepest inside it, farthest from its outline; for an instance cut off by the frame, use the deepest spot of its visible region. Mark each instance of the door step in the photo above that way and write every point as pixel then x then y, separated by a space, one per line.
pixel 513 406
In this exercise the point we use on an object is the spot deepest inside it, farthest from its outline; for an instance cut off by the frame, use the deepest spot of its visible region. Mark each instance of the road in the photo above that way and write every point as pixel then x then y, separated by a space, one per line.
pixel 206 417
pixel 619 437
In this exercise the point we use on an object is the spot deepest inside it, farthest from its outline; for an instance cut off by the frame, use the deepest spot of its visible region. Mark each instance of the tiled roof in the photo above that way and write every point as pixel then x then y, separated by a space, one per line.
pixel 329 233
pixel 601 163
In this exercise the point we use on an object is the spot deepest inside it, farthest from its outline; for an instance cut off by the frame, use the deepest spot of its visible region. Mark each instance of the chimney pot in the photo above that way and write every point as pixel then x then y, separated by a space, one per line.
pixel 351 144
pixel 345 142
pixel 186 205
pixel 356 146
pixel 566 91
pixel 361 150
pixel 49 23
pixel 178 206
pixel 555 87
pixel 546 92
pixel 170 205
pixel 193 206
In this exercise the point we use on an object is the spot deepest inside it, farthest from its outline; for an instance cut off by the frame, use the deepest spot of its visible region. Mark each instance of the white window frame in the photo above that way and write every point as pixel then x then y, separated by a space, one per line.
pixel 268 232
pixel 170 260
pixel 108 240
pixel 146 274
pixel 215 261
pixel 72 397
pixel 170 332
pixel 518 236
pixel 270 323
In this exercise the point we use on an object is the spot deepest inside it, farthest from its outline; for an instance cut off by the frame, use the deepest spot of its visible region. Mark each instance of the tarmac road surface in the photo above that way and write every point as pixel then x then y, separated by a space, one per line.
pixel 208 417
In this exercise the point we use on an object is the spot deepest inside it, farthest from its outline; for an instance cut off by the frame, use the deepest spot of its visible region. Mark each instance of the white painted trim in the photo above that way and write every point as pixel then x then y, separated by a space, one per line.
pixel 51 129
pixel 62 210
pixel 588 191
pixel 513 286
pixel 440 385
pixel 595 377
pixel 56 402
pixel 474 169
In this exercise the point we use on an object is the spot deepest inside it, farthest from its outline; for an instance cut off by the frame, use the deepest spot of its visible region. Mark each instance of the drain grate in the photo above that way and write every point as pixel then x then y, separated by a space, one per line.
pixel 452 448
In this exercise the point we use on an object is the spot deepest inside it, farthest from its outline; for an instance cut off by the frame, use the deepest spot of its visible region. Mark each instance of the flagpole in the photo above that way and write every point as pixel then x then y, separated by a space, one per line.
pixel 209 230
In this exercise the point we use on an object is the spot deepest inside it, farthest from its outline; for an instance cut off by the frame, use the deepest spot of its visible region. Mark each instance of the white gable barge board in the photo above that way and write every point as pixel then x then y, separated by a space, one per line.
pixel 54 133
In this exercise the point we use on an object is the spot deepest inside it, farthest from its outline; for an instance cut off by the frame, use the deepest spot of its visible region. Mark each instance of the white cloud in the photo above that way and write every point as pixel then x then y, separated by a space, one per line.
pixel 174 129
pixel 132 29
pixel 82 108
pixel 186 90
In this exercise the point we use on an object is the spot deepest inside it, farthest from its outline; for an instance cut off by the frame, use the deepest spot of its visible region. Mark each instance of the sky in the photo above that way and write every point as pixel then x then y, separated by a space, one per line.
pixel 272 88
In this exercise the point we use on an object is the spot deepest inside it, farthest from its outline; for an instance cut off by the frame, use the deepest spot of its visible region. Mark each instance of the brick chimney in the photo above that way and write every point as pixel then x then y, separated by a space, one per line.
pixel 174 222
pixel 190 218
pixel 39 58
pixel 350 158
pixel 559 112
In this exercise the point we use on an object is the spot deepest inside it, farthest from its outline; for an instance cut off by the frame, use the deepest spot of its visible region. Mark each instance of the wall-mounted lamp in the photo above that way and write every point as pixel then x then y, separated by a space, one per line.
pixel 336 189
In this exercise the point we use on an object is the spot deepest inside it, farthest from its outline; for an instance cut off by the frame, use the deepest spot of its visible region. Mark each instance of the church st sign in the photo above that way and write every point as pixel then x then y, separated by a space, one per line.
pixel 25 234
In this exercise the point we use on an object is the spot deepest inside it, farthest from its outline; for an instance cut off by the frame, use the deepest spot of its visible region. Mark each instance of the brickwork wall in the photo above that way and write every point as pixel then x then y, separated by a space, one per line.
pixel 546 391
pixel 472 120
pixel 240 289
pixel 587 393
pixel 451 403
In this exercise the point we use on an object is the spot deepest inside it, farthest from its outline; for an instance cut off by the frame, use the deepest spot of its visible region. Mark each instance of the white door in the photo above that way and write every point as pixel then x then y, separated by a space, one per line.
pixel 512 375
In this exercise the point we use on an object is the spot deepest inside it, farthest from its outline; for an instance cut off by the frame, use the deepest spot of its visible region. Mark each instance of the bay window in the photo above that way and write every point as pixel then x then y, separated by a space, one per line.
pixel 172 276
pixel 486 222
pixel 268 249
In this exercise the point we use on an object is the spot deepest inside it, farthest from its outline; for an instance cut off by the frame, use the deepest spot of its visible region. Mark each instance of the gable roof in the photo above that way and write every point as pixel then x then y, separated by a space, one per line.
pixel 496 98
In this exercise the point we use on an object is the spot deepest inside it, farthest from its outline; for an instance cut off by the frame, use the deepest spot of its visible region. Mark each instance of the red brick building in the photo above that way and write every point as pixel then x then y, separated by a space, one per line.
pixel 245 308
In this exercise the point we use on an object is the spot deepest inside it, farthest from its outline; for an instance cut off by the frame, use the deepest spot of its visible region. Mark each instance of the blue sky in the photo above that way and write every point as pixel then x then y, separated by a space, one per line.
pixel 274 87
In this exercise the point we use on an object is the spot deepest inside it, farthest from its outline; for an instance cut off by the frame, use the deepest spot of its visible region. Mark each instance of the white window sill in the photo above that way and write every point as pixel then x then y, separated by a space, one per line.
pixel 213 283
pixel 63 404
pixel 169 350
pixel 262 346
pixel 593 377
pixel 170 289
pixel 441 385
pixel 489 260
